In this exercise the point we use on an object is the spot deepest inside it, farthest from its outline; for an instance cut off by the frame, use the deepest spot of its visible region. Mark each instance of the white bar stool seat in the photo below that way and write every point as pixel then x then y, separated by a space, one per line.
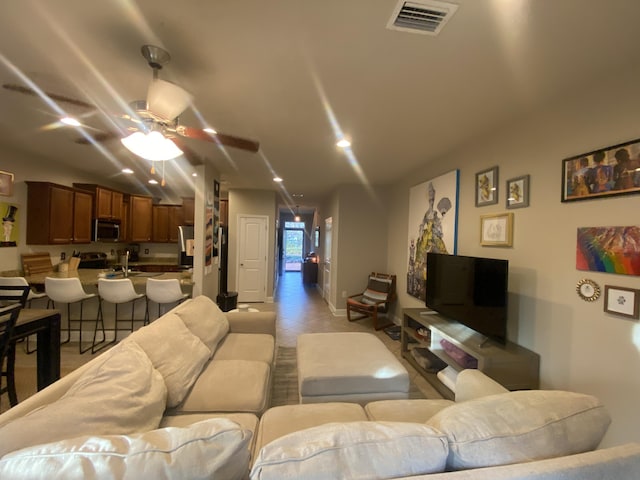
pixel 164 292
pixel 68 290
pixel 117 291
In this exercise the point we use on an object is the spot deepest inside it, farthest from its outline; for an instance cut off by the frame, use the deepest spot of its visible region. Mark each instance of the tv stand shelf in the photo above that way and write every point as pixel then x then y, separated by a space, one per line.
pixel 513 366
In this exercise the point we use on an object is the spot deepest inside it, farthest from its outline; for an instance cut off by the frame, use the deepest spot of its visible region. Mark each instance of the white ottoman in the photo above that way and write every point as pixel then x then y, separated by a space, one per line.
pixel 348 367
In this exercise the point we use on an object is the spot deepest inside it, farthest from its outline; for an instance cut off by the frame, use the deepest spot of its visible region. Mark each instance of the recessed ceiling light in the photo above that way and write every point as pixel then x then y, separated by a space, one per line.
pixel 128 171
pixel 209 130
pixel 153 182
pixel 277 179
pixel 344 143
pixel 194 174
pixel 70 121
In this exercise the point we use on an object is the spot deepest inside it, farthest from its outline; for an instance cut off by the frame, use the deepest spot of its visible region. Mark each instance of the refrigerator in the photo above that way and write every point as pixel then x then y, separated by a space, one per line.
pixel 185 245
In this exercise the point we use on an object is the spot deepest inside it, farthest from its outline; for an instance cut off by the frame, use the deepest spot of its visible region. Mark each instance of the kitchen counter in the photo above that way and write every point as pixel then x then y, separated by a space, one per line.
pixel 89 277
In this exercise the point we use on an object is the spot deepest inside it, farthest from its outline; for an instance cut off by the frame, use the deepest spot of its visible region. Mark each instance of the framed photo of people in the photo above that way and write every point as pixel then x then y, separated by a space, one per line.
pixel 602 173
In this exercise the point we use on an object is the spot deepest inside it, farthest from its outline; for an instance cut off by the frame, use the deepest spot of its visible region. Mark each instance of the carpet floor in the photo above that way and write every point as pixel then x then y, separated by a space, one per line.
pixel 285 379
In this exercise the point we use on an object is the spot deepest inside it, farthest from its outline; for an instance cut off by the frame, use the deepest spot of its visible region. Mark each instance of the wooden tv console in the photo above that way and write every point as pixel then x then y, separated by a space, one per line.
pixel 511 365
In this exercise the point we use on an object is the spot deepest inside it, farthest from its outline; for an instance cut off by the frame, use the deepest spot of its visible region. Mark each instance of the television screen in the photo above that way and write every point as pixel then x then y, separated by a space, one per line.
pixel 470 290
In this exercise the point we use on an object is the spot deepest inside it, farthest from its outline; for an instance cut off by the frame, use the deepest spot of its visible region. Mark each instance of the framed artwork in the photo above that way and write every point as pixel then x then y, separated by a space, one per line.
pixel 6 184
pixel 10 222
pixel 622 301
pixel 487 187
pixel 609 249
pixel 433 226
pixel 518 192
pixel 496 230
pixel 602 173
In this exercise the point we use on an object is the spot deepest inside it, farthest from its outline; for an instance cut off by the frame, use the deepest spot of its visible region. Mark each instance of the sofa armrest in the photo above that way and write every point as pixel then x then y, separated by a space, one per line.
pixel 252 322
pixel 472 383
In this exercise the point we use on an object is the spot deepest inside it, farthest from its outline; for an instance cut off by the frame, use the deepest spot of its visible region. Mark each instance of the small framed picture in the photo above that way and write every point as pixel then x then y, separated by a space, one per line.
pixel 487 187
pixel 6 184
pixel 518 192
pixel 621 301
pixel 496 230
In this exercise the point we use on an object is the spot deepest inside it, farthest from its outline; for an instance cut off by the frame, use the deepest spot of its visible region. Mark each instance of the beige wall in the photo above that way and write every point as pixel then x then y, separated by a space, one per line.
pixel 581 347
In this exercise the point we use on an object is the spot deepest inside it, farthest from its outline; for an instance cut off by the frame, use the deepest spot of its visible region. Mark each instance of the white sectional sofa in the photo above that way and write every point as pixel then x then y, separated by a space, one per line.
pixel 188 397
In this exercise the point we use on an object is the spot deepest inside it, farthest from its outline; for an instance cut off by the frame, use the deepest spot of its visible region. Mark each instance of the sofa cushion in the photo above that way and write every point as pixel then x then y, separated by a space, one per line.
pixel 353 450
pixel 520 426
pixel 417 410
pixel 216 448
pixel 205 320
pixel 121 394
pixel 279 421
pixel 175 352
pixel 229 386
pixel 246 346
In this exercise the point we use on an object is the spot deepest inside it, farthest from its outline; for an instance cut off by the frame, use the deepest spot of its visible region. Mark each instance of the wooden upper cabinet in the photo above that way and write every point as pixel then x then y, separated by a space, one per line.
pixel 57 215
pixel 188 210
pixel 82 213
pixel 224 212
pixel 108 203
pixel 166 219
pixel 140 218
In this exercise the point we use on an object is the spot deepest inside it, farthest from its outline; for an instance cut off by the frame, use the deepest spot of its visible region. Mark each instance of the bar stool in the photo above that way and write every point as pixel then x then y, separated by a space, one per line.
pixel 33 295
pixel 68 290
pixel 163 292
pixel 116 291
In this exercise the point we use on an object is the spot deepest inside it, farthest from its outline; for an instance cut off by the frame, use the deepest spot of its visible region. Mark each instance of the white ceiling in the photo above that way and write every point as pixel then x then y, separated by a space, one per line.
pixel 293 74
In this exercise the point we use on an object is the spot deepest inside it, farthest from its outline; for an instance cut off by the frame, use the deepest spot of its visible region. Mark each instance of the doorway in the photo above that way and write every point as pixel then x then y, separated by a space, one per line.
pixel 293 246
pixel 252 258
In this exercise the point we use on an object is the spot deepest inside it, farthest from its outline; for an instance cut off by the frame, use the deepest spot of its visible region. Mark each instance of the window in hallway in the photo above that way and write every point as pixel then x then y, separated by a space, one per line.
pixel 293 246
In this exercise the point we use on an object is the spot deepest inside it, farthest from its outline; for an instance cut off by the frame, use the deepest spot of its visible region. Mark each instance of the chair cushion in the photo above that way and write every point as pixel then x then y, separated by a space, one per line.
pixel 520 426
pixel 205 320
pixel 121 394
pixel 175 352
pixel 414 410
pixel 216 448
pixel 353 450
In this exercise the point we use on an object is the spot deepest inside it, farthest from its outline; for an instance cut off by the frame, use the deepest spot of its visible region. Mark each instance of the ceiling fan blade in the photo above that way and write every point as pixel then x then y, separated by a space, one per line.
pixel 53 96
pixel 221 138
pixel 97 137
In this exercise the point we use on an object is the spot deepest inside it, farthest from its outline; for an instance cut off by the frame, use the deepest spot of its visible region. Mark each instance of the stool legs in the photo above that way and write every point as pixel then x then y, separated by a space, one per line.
pixel 100 320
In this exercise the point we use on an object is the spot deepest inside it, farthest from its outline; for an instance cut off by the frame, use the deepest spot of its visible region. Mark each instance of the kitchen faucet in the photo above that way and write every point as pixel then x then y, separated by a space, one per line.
pixel 125 268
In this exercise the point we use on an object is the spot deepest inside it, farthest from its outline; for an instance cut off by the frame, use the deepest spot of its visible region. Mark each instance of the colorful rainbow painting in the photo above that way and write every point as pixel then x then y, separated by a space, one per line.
pixel 609 249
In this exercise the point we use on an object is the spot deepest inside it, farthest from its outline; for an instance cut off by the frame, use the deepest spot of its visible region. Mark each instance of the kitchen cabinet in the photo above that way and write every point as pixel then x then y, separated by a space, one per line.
pixel 188 210
pixel 166 219
pixel 224 212
pixel 57 214
pixel 108 203
pixel 140 218
pixel 82 210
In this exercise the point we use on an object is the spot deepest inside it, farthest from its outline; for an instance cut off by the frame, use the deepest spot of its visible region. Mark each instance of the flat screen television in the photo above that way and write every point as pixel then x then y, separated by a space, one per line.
pixel 470 290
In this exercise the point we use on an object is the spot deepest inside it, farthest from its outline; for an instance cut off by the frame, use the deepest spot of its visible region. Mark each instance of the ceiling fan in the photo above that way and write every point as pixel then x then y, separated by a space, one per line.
pixel 158 113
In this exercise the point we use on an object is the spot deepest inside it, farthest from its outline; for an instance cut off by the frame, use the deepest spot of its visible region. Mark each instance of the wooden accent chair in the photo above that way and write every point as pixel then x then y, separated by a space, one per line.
pixel 378 296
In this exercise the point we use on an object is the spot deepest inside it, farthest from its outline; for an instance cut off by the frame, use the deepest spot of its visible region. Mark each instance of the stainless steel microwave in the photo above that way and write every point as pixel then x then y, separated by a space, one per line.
pixel 106 231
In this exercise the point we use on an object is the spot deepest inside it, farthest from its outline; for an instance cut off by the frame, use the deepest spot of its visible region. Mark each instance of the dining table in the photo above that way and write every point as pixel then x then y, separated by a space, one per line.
pixel 45 324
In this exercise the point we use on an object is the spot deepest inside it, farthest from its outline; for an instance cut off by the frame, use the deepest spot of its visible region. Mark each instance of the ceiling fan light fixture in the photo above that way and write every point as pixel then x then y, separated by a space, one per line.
pixel 167 100
pixel 153 146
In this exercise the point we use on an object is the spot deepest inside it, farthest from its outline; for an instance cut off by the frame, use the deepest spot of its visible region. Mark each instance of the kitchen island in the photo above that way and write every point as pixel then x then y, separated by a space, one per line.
pixel 89 277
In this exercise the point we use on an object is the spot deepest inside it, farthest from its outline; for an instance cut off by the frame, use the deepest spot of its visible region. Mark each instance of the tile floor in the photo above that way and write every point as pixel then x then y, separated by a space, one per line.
pixel 300 309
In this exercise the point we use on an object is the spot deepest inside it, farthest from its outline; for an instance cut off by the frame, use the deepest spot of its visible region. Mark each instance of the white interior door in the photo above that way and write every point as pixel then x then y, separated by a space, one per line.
pixel 326 275
pixel 252 258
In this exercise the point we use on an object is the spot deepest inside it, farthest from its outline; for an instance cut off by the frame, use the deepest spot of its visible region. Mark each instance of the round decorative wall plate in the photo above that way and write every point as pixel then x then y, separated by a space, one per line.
pixel 588 290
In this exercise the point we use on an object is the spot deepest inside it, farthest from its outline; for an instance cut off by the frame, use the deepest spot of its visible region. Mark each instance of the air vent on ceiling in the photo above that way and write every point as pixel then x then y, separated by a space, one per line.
pixel 426 17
